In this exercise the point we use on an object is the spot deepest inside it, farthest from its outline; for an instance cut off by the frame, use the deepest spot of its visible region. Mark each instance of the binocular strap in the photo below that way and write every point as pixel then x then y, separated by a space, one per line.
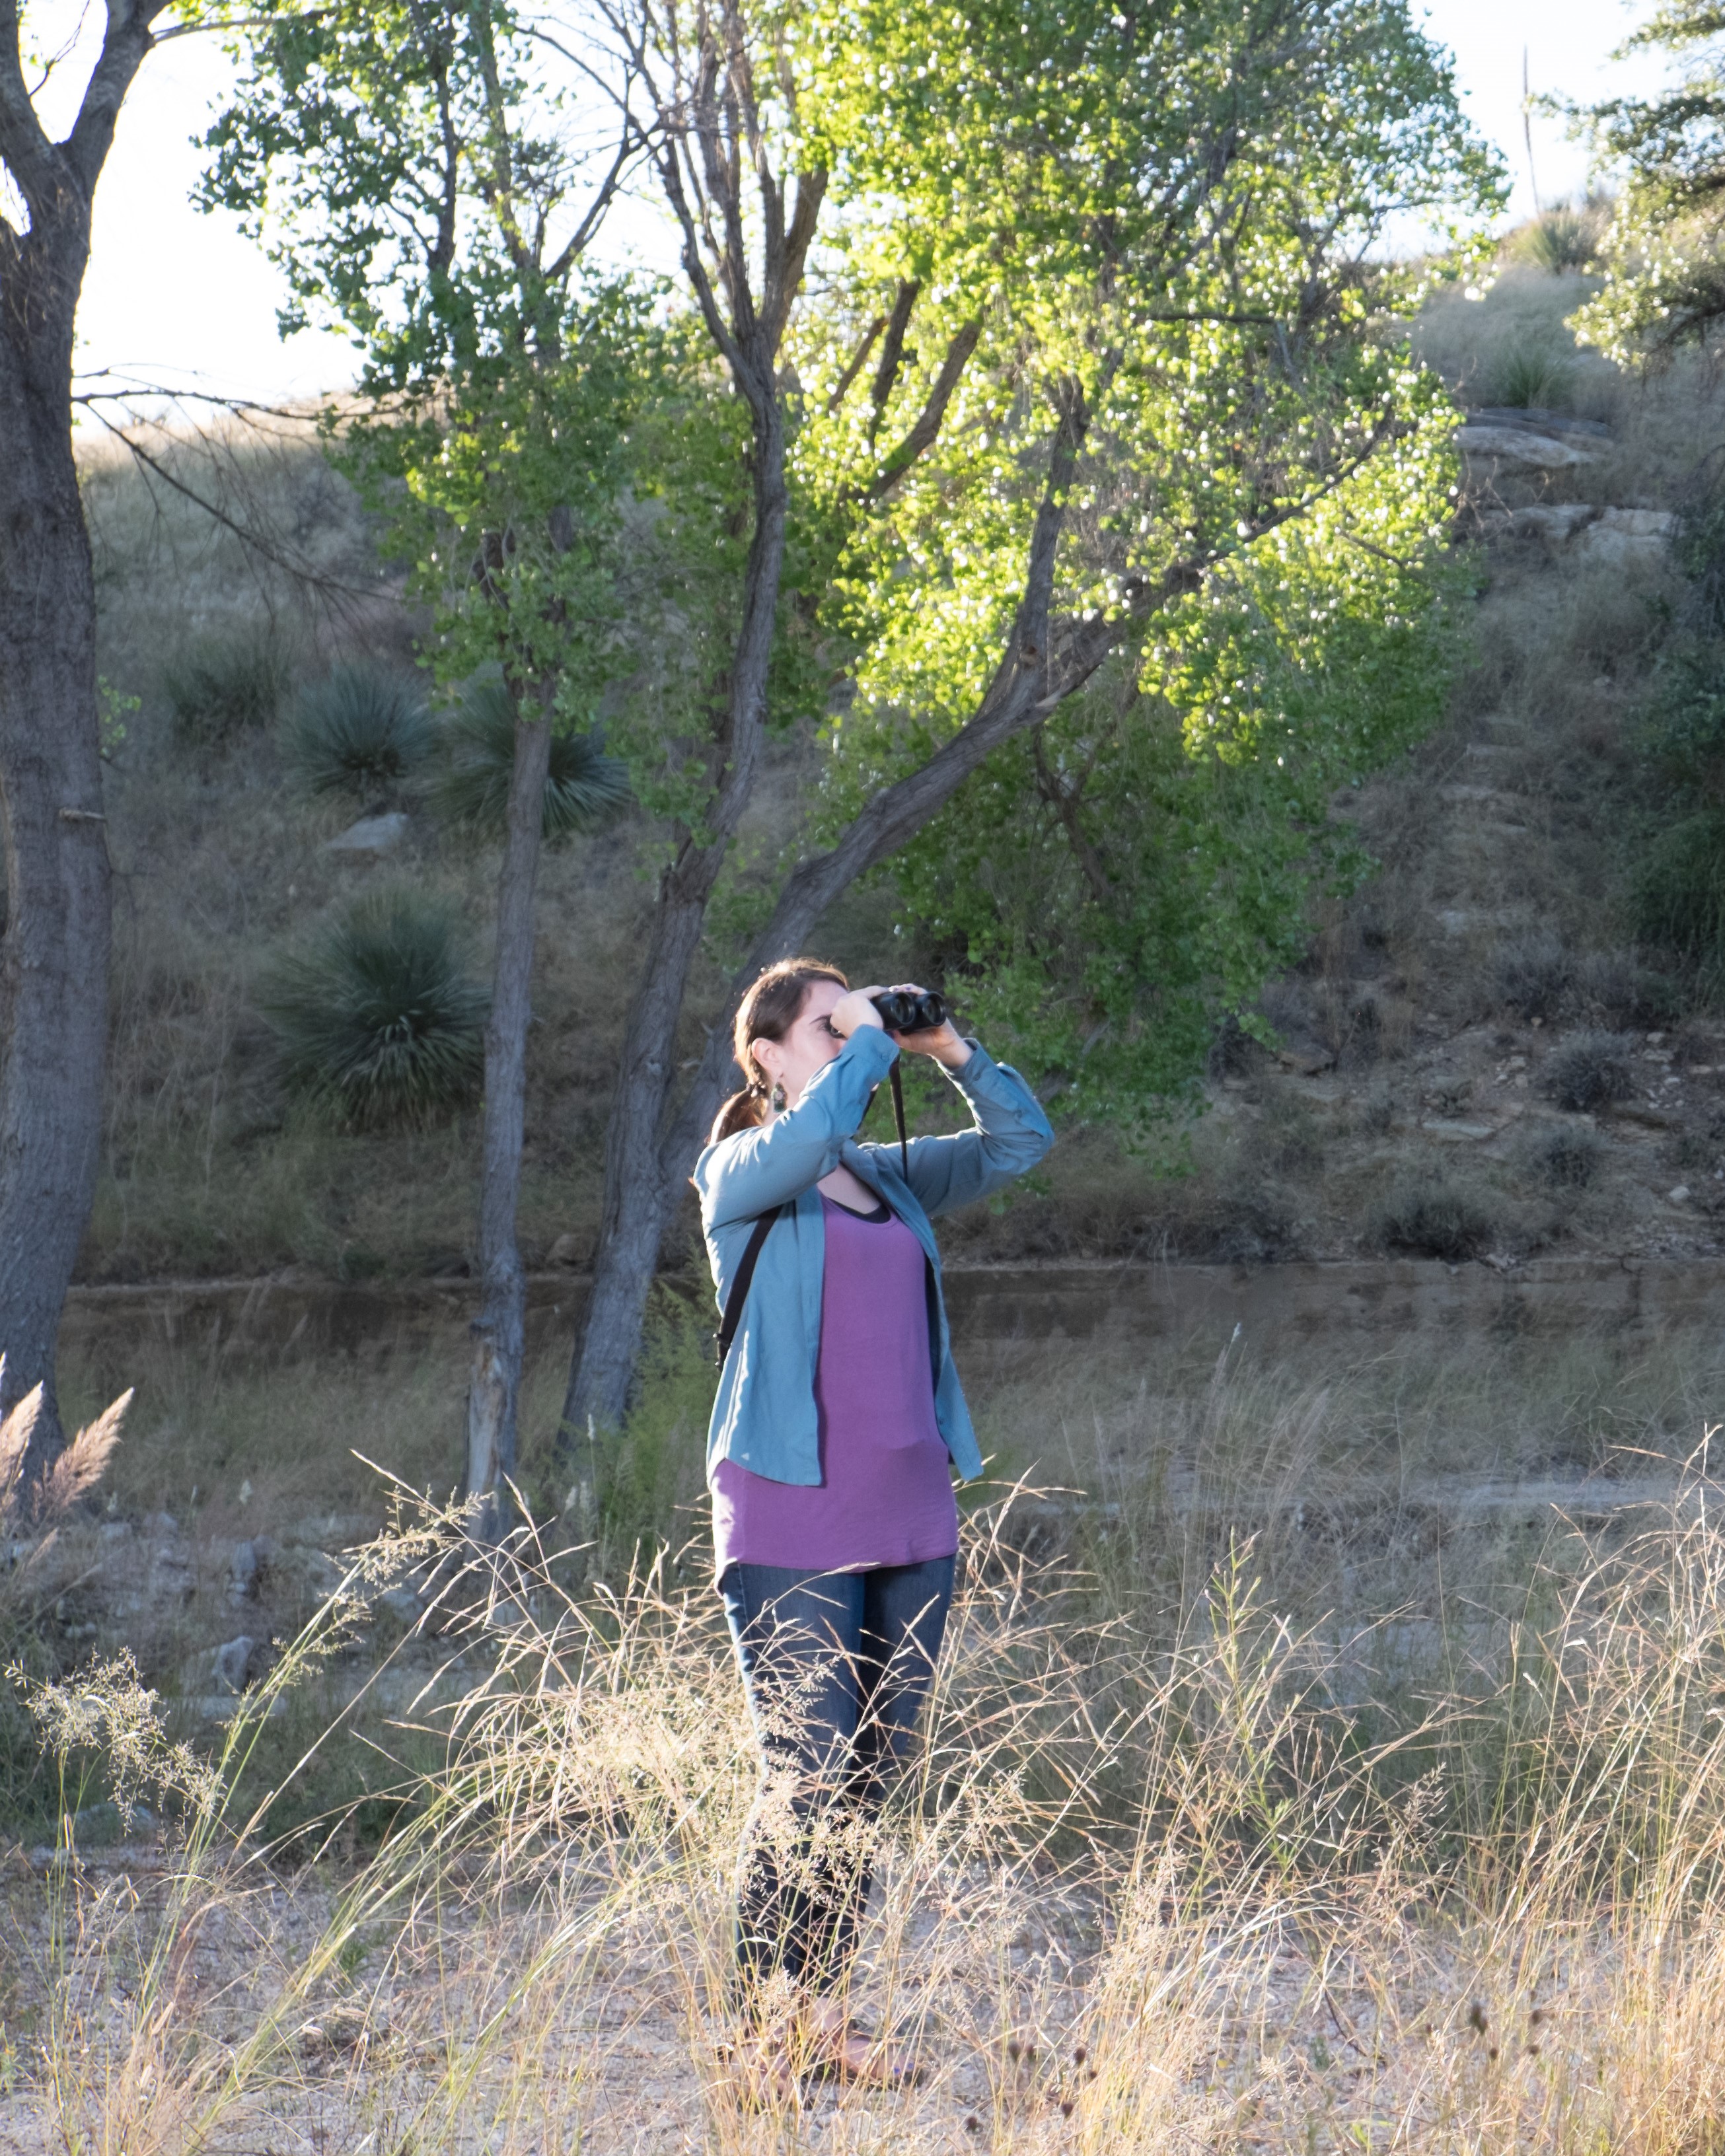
pixel 898 1110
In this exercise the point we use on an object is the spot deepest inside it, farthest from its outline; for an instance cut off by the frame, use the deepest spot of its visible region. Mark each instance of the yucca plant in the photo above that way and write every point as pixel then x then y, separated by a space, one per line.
pixel 1530 372
pixel 1561 239
pixel 361 730
pixel 377 1014
pixel 477 749
pixel 224 686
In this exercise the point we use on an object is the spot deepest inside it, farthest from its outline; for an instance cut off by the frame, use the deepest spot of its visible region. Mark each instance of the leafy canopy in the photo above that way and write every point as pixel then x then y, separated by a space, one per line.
pixel 405 171
pixel 1665 251
pixel 1164 220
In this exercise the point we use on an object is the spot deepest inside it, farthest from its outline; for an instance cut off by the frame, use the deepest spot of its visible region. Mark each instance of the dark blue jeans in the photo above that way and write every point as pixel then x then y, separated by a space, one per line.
pixel 836 1665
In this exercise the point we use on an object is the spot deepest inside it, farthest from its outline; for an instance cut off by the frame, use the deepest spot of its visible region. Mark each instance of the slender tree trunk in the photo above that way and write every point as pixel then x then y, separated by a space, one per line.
pixel 499 1332
pixel 652 1147
pixel 638 1199
pixel 55 950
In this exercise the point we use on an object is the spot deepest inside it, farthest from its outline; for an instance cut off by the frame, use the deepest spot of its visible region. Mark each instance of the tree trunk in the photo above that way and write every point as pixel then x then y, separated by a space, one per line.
pixel 54 950
pixel 635 1206
pixel 499 1330
pixel 651 1150
pixel 638 1194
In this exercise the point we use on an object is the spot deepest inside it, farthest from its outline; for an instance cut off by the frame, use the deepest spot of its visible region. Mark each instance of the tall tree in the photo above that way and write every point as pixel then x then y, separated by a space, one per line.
pixel 415 186
pixel 53 954
pixel 1665 249
pixel 1101 364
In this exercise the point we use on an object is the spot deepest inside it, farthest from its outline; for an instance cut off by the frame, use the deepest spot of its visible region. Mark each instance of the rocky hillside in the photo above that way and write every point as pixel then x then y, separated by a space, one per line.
pixel 1486 1054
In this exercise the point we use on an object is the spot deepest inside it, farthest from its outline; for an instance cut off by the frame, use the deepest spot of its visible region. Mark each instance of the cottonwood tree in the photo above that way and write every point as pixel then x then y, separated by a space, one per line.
pixel 1664 251
pixel 1095 456
pixel 53 954
pixel 415 186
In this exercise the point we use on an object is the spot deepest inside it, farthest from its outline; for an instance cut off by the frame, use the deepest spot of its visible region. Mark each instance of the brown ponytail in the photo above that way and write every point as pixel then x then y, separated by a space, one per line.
pixel 767 1012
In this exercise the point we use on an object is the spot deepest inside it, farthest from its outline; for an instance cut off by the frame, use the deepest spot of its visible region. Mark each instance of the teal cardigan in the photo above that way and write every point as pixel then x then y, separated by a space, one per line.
pixel 765 1417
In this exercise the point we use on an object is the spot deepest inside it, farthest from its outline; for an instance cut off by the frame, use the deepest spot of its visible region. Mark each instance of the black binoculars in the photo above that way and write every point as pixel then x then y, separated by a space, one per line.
pixel 904 1010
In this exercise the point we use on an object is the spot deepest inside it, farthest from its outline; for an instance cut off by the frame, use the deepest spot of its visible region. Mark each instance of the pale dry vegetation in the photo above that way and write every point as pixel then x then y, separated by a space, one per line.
pixel 1228 1879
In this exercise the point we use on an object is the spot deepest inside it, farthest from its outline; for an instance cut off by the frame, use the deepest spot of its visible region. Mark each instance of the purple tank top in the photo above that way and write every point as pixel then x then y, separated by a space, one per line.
pixel 885 1491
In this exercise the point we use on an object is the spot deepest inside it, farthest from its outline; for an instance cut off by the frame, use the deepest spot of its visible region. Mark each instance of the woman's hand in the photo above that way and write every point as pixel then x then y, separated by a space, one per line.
pixel 853 1010
pixel 941 1042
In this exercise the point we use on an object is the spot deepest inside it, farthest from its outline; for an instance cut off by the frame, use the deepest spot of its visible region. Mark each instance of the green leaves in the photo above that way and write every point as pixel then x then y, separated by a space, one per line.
pixel 1166 210
pixel 1665 249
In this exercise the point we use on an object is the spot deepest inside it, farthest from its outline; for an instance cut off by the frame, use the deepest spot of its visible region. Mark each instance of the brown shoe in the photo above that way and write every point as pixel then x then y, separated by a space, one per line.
pixel 844 2051
pixel 762 2069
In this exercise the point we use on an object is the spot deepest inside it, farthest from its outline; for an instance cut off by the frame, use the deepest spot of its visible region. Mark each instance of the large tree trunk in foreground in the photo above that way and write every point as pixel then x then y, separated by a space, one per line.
pixel 500 1330
pixel 53 954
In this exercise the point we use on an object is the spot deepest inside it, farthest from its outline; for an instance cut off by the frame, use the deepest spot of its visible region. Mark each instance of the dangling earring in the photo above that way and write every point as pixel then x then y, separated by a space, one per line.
pixel 775 1097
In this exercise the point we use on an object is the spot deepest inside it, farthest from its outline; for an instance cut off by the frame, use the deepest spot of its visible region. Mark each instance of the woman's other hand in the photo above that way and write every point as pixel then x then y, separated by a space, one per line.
pixel 943 1042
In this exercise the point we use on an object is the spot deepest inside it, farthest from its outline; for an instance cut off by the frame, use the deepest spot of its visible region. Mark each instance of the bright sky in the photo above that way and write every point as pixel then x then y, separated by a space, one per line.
pixel 178 297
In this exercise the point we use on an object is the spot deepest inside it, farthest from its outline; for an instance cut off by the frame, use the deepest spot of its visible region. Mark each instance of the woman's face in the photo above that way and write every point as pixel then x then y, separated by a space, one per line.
pixel 810 1044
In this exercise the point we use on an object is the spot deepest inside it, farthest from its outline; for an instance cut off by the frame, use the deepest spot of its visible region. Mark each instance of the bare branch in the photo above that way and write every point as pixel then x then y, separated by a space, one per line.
pixel 34 162
pixel 784 262
pixel 300 571
pixel 922 436
pixel 601 202
pixel 892 352
pixel 859 360
pixel 128 37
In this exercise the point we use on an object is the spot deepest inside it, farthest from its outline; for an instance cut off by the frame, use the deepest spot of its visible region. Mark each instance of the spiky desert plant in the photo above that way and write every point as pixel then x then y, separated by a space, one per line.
pixel 377 1014
pixel 583 787
pixel 1562 238
pixel 222 686
pixel 1529 372
pixel 361 730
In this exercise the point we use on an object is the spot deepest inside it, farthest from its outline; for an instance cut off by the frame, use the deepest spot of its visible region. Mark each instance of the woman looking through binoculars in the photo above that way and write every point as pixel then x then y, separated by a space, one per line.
pixel 838 1427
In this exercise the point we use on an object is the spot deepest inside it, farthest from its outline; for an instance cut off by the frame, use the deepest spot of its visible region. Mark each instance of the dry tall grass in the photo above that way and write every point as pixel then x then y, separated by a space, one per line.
pixel 1239 1885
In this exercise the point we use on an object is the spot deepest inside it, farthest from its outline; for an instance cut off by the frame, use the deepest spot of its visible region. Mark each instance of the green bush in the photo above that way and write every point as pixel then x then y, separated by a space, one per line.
pixel 222 687
pixel 359 731
pixel 477 747
pixel 1430 1217
pixel 1682 726
pixel 1589 1072
pixel 1679 889
pixel 377 1015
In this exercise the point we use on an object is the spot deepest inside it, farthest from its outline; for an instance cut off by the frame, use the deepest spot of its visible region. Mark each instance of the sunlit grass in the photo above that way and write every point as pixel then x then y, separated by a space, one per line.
pixel 1244 1885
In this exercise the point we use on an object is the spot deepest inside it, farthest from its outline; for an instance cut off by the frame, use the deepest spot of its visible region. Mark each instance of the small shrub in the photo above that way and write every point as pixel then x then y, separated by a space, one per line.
pixel 359 731
pixel 1431 1217
pixel 1253 1226
pixel 222 687
pixel 1627 996
pixel 583 787
pixel 1564 1157
pixel 1527 373
pixel 1682 728
pixel 1678 893
pixel 377 1014
pixel 1532 973
pixel 1590 1071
